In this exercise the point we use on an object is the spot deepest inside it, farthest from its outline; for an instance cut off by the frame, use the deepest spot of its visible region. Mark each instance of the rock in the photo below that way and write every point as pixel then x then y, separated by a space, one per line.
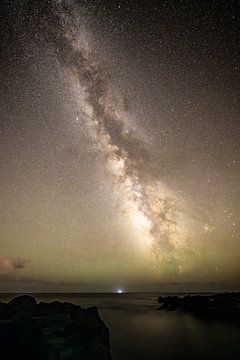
pixel 22 338
pixel 224 307
pixel 25 304
pixel 23 301
pixel 86 336
pixel 5 313
pixel 24 327
pixel 50 308
pixel 89 327
pixel 51 331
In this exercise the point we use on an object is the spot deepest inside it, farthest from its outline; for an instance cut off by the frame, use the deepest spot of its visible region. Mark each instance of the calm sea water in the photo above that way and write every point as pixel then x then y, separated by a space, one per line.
pixel 139 331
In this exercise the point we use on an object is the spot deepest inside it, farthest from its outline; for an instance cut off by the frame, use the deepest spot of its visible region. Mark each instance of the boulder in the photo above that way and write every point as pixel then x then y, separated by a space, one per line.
pixel 23 301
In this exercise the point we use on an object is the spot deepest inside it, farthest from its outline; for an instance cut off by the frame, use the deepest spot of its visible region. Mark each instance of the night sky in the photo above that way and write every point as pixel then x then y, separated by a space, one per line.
pixel 119 150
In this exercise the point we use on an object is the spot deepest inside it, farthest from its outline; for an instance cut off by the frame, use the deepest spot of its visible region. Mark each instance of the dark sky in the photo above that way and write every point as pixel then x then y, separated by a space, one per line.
pixel 119 130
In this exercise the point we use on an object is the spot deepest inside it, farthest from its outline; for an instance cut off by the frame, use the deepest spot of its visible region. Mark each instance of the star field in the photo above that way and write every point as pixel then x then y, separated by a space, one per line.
pixel 119 145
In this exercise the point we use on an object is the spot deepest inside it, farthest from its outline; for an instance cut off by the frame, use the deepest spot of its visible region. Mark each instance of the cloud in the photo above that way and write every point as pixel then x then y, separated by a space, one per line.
pixel 9 265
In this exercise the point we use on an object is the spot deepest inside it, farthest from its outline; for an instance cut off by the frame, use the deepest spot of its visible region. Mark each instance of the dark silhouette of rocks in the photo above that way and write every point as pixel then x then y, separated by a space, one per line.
pixel 51 331
pixel 23 301
pixel 224 307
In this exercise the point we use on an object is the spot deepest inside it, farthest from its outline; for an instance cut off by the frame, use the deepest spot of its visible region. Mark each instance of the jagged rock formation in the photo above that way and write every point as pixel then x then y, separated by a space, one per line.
pixel 51 331
pixel 225 306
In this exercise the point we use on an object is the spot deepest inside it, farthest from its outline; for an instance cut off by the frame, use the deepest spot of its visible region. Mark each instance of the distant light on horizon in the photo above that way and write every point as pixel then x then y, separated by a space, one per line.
pixel 119 291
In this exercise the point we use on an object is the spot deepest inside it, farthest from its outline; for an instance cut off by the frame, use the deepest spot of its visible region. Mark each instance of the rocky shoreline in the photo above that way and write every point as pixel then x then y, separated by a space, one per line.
pixel 223 307
pixel 51 331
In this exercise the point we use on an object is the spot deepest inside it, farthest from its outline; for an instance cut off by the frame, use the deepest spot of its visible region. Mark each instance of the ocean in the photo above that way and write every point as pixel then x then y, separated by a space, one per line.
pixel 139 331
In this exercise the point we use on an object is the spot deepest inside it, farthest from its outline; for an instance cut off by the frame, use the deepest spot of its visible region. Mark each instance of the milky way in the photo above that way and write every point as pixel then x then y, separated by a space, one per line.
pixel 119 145
pixel 127 158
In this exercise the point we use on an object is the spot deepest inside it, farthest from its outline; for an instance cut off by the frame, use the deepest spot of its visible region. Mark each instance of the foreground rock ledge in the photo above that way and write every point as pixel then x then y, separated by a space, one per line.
pixel 51 331
pixel 224 307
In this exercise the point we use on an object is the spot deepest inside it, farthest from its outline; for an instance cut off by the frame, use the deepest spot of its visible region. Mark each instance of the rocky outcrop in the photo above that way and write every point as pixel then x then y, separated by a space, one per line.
pixel 51 331
pixel 225 306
